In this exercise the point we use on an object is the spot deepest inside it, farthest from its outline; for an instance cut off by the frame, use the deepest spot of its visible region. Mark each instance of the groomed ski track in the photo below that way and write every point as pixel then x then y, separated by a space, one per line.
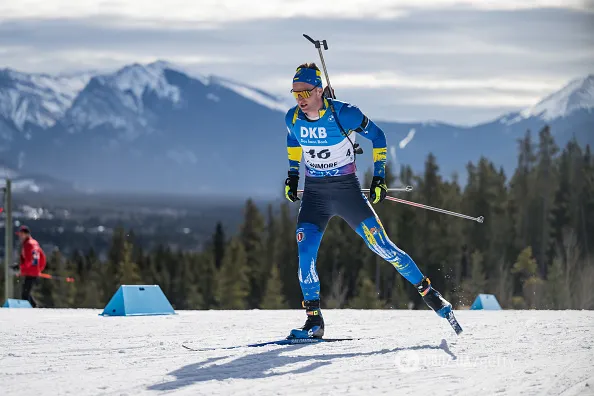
pixel 77 352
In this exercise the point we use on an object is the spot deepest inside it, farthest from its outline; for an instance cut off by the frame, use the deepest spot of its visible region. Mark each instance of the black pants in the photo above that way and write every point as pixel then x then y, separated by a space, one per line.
pixel 326 197
pixel 26 292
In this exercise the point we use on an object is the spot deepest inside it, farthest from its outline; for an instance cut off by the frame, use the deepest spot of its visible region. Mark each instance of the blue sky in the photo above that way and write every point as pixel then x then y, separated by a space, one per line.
pixel 457 61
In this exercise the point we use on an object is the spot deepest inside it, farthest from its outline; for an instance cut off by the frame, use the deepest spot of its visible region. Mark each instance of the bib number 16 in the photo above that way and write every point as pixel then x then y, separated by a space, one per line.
pixel 322 154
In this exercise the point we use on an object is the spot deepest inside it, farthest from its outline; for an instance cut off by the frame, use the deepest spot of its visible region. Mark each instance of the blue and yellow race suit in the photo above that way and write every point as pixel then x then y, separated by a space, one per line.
pixel 333 189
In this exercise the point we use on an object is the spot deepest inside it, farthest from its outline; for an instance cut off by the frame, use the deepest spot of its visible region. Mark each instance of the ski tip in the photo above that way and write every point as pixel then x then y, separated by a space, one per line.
pixel 454 323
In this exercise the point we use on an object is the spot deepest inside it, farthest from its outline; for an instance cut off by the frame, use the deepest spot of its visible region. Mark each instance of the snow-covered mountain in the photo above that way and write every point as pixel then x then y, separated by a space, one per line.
pixel 37 99
pixel 85 101
pixel 577 95
pixel 158 127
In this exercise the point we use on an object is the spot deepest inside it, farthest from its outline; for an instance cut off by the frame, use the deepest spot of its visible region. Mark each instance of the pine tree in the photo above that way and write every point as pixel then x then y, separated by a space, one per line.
pixel 366 296
pixel 525 266
pixel 218 245
pixel 546 179
pixel 44 292
pixel 431 193
pixel 1 277
pixel 477 283
pixel 556 290
pixel 503 284
pixel 233 283
pixel 110 276
pixel 451 238
pixel 187 295
pixel 338 291
pixel 521 195
pixel 585 225
pixel 287 257
pixel 410 237
pixel 270 244
pixel 399 298
pixel 273 297
pixel 93 295
pixel 566 196
pixel 526 270
pixel 252 235
pixel 62 293
pixel 127 269
pixel 486 195
pixel 205 275
pixel 81 275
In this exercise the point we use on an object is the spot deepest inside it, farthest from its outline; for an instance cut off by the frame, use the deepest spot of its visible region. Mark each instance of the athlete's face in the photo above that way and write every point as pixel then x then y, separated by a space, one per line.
pixel 22 236
pixel 309 98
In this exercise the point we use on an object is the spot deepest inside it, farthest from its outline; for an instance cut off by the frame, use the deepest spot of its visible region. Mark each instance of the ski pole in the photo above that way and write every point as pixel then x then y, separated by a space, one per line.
pixel 405 188
pixel 479 219
pixel 49 276
pixel 318 44
pixel 55 277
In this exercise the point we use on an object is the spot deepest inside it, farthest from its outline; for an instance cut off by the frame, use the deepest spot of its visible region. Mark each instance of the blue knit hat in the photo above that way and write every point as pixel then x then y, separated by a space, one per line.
pixel 310 76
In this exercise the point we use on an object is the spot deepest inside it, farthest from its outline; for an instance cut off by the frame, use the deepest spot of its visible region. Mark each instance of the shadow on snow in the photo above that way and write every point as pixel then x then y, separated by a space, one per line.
pixel 261 365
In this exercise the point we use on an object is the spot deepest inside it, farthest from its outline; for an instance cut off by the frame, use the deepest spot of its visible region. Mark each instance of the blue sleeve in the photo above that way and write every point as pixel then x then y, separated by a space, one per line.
pixel 352 119
pixel 294 150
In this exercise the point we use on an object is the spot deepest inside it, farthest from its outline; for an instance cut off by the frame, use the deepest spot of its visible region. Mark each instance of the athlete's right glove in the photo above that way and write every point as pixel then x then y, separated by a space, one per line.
pixel 378 189
pixel 291 184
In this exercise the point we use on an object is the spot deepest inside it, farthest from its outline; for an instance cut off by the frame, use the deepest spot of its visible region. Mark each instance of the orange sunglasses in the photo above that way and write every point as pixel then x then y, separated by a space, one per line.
pixel 303 94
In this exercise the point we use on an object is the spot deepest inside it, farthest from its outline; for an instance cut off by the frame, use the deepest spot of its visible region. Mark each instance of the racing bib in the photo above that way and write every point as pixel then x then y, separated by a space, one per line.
pixel 326 151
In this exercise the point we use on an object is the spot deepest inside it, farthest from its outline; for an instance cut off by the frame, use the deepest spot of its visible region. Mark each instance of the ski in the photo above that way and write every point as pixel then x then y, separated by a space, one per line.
pixel 454 322
pixel 284 341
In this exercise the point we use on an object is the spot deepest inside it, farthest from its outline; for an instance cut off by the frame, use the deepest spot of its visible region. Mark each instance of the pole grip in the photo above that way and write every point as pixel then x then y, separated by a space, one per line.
pixel 314 42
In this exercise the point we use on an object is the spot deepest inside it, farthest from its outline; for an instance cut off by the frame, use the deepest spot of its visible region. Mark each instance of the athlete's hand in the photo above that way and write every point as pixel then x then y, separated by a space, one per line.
pixel 378 189
pixel 291 184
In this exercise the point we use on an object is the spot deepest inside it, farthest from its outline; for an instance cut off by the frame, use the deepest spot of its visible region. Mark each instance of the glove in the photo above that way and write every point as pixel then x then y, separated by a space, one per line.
pixel 378 189
pixel 291 184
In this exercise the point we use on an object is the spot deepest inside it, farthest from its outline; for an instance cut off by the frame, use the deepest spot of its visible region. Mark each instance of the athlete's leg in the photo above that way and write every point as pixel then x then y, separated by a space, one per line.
pixel 372 231
pixel 309 237
pixel 314 214
pixel 357 211
pixel 376 238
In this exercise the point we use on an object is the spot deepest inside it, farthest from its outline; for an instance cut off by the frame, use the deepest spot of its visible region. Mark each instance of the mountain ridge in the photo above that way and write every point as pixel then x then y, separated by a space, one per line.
pixel 141 123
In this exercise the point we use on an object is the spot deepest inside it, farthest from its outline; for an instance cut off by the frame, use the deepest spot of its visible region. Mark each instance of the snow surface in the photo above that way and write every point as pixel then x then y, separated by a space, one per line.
pixel 77 352
pixel 408 138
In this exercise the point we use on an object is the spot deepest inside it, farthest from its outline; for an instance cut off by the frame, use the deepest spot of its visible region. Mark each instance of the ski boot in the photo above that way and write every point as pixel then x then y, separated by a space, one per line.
pixel 433 299
pixel 314 325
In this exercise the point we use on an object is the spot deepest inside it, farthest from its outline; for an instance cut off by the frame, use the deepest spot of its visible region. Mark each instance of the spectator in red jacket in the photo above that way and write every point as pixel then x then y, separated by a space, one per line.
pixel 32 262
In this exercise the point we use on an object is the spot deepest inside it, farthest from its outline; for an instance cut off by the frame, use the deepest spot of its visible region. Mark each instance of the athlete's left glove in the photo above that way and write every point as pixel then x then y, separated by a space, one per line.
pixel 378 189
pixel 291 184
